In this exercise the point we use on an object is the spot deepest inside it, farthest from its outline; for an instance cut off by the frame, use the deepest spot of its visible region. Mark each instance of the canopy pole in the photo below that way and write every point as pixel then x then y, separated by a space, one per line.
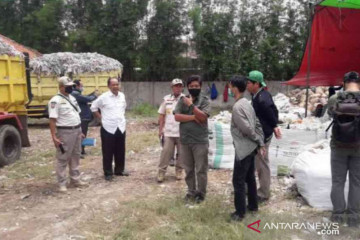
pixel 308 58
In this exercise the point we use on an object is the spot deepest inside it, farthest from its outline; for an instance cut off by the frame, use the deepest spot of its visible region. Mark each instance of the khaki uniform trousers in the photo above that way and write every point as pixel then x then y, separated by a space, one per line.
pixel 263 170
pixel 168 152
pixel 71 139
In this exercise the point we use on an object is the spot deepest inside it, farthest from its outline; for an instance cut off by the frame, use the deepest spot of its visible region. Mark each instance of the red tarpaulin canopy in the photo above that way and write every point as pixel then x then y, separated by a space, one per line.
pixel 335 47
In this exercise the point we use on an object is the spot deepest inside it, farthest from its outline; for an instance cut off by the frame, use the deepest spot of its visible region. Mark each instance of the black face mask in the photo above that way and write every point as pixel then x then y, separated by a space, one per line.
pixel 68 89
pixel 195 92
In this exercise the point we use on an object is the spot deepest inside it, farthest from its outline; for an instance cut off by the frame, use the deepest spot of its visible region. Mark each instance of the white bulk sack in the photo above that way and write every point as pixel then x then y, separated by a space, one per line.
pixel 221 148
pixel 312 171
pixel 293 141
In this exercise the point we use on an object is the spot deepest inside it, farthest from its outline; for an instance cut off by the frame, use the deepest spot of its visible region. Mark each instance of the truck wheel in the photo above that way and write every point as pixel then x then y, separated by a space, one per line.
pixel 10 144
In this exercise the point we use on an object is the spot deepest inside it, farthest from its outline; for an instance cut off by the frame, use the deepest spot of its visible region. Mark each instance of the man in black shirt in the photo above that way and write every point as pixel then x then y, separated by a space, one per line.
pixel 267 114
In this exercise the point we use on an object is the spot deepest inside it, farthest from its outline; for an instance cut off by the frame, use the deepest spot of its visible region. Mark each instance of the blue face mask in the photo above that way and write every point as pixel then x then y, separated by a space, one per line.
pixel 230 93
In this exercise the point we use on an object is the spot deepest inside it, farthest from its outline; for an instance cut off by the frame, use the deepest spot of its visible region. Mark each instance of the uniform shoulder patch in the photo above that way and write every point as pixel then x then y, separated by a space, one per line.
pixel 53 104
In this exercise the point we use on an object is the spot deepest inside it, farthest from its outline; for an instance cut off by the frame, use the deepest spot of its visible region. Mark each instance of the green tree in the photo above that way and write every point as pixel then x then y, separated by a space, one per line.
pixel 249 36
pixel 9 20
pixel 118 32
pixel 271 46
pixel 215 38
pixel 294 39
pixel 84 19
pixel 162 49
pixel 44 28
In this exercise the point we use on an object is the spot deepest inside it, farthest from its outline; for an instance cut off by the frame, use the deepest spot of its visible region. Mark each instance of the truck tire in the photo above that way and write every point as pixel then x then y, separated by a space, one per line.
pixel 10 144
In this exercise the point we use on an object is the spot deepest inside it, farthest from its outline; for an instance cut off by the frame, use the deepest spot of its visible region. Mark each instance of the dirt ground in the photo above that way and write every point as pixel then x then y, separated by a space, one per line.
pixel 31 207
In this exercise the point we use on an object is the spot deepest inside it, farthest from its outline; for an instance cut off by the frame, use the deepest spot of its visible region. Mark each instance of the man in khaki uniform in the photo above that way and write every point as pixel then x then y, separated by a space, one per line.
pixel 169 130
pixel 65 127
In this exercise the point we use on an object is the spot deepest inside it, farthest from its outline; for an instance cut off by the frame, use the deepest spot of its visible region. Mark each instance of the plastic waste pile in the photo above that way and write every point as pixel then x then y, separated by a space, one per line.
pixel 6 49
pixel 76 63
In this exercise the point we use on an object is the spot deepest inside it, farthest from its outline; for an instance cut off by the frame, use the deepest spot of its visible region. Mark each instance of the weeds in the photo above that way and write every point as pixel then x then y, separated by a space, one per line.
pixel 143 110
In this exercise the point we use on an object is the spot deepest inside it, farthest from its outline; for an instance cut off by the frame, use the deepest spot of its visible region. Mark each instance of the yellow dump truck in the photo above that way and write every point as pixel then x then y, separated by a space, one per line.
pixel 14 95
pixel 44 87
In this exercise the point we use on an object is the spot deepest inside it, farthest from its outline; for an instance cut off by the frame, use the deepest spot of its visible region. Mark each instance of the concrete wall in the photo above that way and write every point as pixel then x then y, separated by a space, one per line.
pixel 153 92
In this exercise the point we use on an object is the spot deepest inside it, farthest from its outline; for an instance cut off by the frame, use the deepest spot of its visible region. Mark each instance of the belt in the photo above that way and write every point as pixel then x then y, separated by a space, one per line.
pixel 66 127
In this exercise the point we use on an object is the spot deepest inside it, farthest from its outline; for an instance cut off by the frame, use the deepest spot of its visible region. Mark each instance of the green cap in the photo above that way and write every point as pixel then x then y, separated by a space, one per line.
pixel 257 76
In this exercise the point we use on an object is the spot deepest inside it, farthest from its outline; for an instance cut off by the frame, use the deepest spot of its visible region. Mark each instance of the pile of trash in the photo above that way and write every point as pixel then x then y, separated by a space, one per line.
pixel 6 49
pixel 293 116
pixel 288 113
pixel 318 95
pixel 76 63
pixel 223 117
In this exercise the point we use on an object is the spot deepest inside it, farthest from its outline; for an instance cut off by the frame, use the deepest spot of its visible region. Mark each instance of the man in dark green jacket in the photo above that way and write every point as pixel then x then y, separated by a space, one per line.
pixel 192 112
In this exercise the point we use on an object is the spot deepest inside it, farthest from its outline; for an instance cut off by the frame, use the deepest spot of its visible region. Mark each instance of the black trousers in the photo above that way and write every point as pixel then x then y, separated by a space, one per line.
pixel 84 129
pixel 113 147
pixel 244 171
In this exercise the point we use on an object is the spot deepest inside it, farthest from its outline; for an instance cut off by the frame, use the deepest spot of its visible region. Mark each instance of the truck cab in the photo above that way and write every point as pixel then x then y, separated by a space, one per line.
pixel 14 96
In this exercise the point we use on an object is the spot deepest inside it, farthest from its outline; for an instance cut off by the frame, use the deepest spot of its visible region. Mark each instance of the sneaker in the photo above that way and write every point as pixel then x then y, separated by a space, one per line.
pixel 236 217
pixel 262 199
pixel 199 198
pixel 160 177
pixel 123 173
pixel 338 218
pixel 189 198
pixel 178 174
pixel 62 189
pixel 251 209
pixel 109 178
pixel 79 183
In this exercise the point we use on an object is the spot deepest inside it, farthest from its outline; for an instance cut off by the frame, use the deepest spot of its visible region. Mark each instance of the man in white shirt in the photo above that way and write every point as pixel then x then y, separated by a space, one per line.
pixel 112 105
pixel 169 130
pixel 65 128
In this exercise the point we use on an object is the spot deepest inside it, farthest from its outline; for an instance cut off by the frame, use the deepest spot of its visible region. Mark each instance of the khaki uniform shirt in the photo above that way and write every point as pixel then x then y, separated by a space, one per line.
pixel 171 128
pixel 64 113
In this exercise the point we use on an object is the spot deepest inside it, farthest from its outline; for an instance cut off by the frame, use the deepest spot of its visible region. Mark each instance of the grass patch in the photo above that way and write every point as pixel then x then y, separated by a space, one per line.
pixel 143 110
pixel 170 218
pixel 135 142
pixel 39 167
pixel 139 141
